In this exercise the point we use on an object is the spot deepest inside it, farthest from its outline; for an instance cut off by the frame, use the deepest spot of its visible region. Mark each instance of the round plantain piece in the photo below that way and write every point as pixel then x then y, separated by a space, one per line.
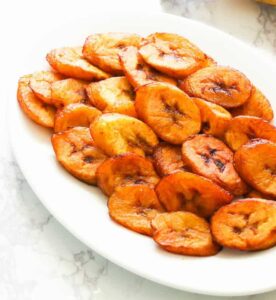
pixel 242 129
pixel 211 158
pixel 68 91
pixel 77 153
pixel 167 159
pixel 70 62
pixel 214 117
pixel 117 134
pixel 171 113
pixel 40 84
pixel 125 169
pixel 221 85
pixel 134 206
pixel 184 233
pixel 247 225
pixel 39 112
pixel 172 54
pixel 112 95
pixel 75 115
pixel 257 106
pixel 137 71
pixel 190 192
pixel 102 49
pixel 256 164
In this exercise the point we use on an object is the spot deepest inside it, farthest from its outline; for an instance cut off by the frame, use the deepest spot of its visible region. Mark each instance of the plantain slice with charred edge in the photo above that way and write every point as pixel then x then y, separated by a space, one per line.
pixel 214 118
pixel 171 114
pixel 77 153
pixel 117 134
pixel 190 192
pixel 247 225
pixel 70 62
pixel 221 85
pixel 74 115
pixel 184 233
pixel 112 95
pixel 257 106
pixel 137 71
pixel 242 129
pixel 103 49
pixel 211 158
pixel 173 55
pixel 134 206
pixel 125 169
pixel 167 159
pixel 39 112
pixel 256 164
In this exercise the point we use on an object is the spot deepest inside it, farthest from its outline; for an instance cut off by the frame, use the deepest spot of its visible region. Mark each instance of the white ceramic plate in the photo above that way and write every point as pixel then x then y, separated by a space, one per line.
pixel 82 208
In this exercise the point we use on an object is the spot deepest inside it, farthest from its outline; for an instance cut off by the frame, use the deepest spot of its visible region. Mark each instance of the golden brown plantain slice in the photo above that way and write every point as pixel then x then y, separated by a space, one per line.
pixel 74 115
pixel 167 159
pixel 247 225
pixel 256 164
pixel 134 207
pixel 244 128
pixel 77 153
pixel 172 54
pixel 258 195
pixel 190 192
pixel 70 62
pixel 211 158
pixel 184 233
pixel 214 117
pixel 102 49
pixel 171 114
pixel 112 95
pixel 41 82
pixel 221 85
pixel 257 105
pixel 41 113
pixel 68 91
pixel 137 71
pixel 118 134
pixel 125 169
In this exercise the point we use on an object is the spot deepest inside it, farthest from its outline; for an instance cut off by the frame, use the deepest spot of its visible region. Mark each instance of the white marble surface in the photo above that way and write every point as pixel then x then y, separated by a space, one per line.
pixel 39 259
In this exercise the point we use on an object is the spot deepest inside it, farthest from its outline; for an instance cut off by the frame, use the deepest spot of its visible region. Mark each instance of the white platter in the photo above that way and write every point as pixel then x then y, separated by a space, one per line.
pixel 82 208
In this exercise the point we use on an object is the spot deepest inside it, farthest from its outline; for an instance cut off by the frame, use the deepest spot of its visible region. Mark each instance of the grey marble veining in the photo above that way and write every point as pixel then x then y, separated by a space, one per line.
pixel 39 258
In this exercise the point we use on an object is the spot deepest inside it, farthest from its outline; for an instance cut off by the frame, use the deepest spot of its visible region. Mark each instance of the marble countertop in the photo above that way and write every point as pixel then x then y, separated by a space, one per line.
pixel 39 258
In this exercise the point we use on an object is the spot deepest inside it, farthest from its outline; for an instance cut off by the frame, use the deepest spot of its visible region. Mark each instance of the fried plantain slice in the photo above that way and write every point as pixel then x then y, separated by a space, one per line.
pixel 171 114
pixel 70 62
pixel 102 49
pixel 40 83
pixel 134 206
pixel 167 159
pixel 259 195
pixel 74 115
pixel 257 105
pixel 184 233
pixel 112 95
pixel 247 225
pixel 137 71
pixel 242 129
pixel 125 169
pixel 117 134
pixel 214 117
pixel 68 91
pixel 39 112
pixel 190 192
pixel 172 54
pixel 77 153
pixel 211 158
pixel 221 85
pixel 256 164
